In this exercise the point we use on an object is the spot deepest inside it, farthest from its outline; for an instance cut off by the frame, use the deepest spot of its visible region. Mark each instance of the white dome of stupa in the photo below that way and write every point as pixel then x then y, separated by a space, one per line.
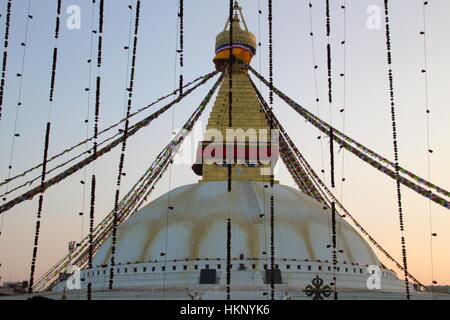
pixel 196 226
pixel 164 248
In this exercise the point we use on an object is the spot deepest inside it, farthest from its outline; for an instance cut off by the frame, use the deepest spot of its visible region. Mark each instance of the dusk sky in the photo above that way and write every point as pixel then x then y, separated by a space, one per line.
pixel 368 195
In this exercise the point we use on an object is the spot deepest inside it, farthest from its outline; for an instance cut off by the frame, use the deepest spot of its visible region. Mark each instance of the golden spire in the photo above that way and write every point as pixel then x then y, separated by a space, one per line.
pixel 247 139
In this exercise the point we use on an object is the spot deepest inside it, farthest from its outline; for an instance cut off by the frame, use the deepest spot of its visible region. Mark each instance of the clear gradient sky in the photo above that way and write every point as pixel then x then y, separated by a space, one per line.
pixel 368 195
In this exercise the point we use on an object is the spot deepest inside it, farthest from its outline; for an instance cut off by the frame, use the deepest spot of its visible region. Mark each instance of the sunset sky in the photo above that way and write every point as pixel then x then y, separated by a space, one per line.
pixel 367 194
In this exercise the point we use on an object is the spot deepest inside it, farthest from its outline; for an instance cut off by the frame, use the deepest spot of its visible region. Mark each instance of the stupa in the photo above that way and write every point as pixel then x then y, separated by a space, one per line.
pixel 181 252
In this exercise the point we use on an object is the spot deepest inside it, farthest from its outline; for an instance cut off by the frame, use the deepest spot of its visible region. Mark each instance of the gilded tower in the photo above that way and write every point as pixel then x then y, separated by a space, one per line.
pixel 247 139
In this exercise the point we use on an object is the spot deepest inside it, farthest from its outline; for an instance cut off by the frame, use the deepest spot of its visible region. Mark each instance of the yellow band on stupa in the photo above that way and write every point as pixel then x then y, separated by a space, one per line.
pixel 239 53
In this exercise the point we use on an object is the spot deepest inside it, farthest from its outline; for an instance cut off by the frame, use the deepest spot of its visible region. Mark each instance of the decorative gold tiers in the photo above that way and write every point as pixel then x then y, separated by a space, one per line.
pixel 246 114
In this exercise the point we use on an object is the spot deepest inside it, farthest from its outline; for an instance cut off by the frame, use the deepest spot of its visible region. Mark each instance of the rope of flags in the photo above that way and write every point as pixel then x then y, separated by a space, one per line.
pixel 395 144
pixel 40 189
pixel 323 194
pixel 316 86
pixel 133 199
pixel 424 71
pixel 95 146
pixel 124 142
pixel 300 177
pixel 360 152
pixel 66 151
pixel 80 165
pixel 5 54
